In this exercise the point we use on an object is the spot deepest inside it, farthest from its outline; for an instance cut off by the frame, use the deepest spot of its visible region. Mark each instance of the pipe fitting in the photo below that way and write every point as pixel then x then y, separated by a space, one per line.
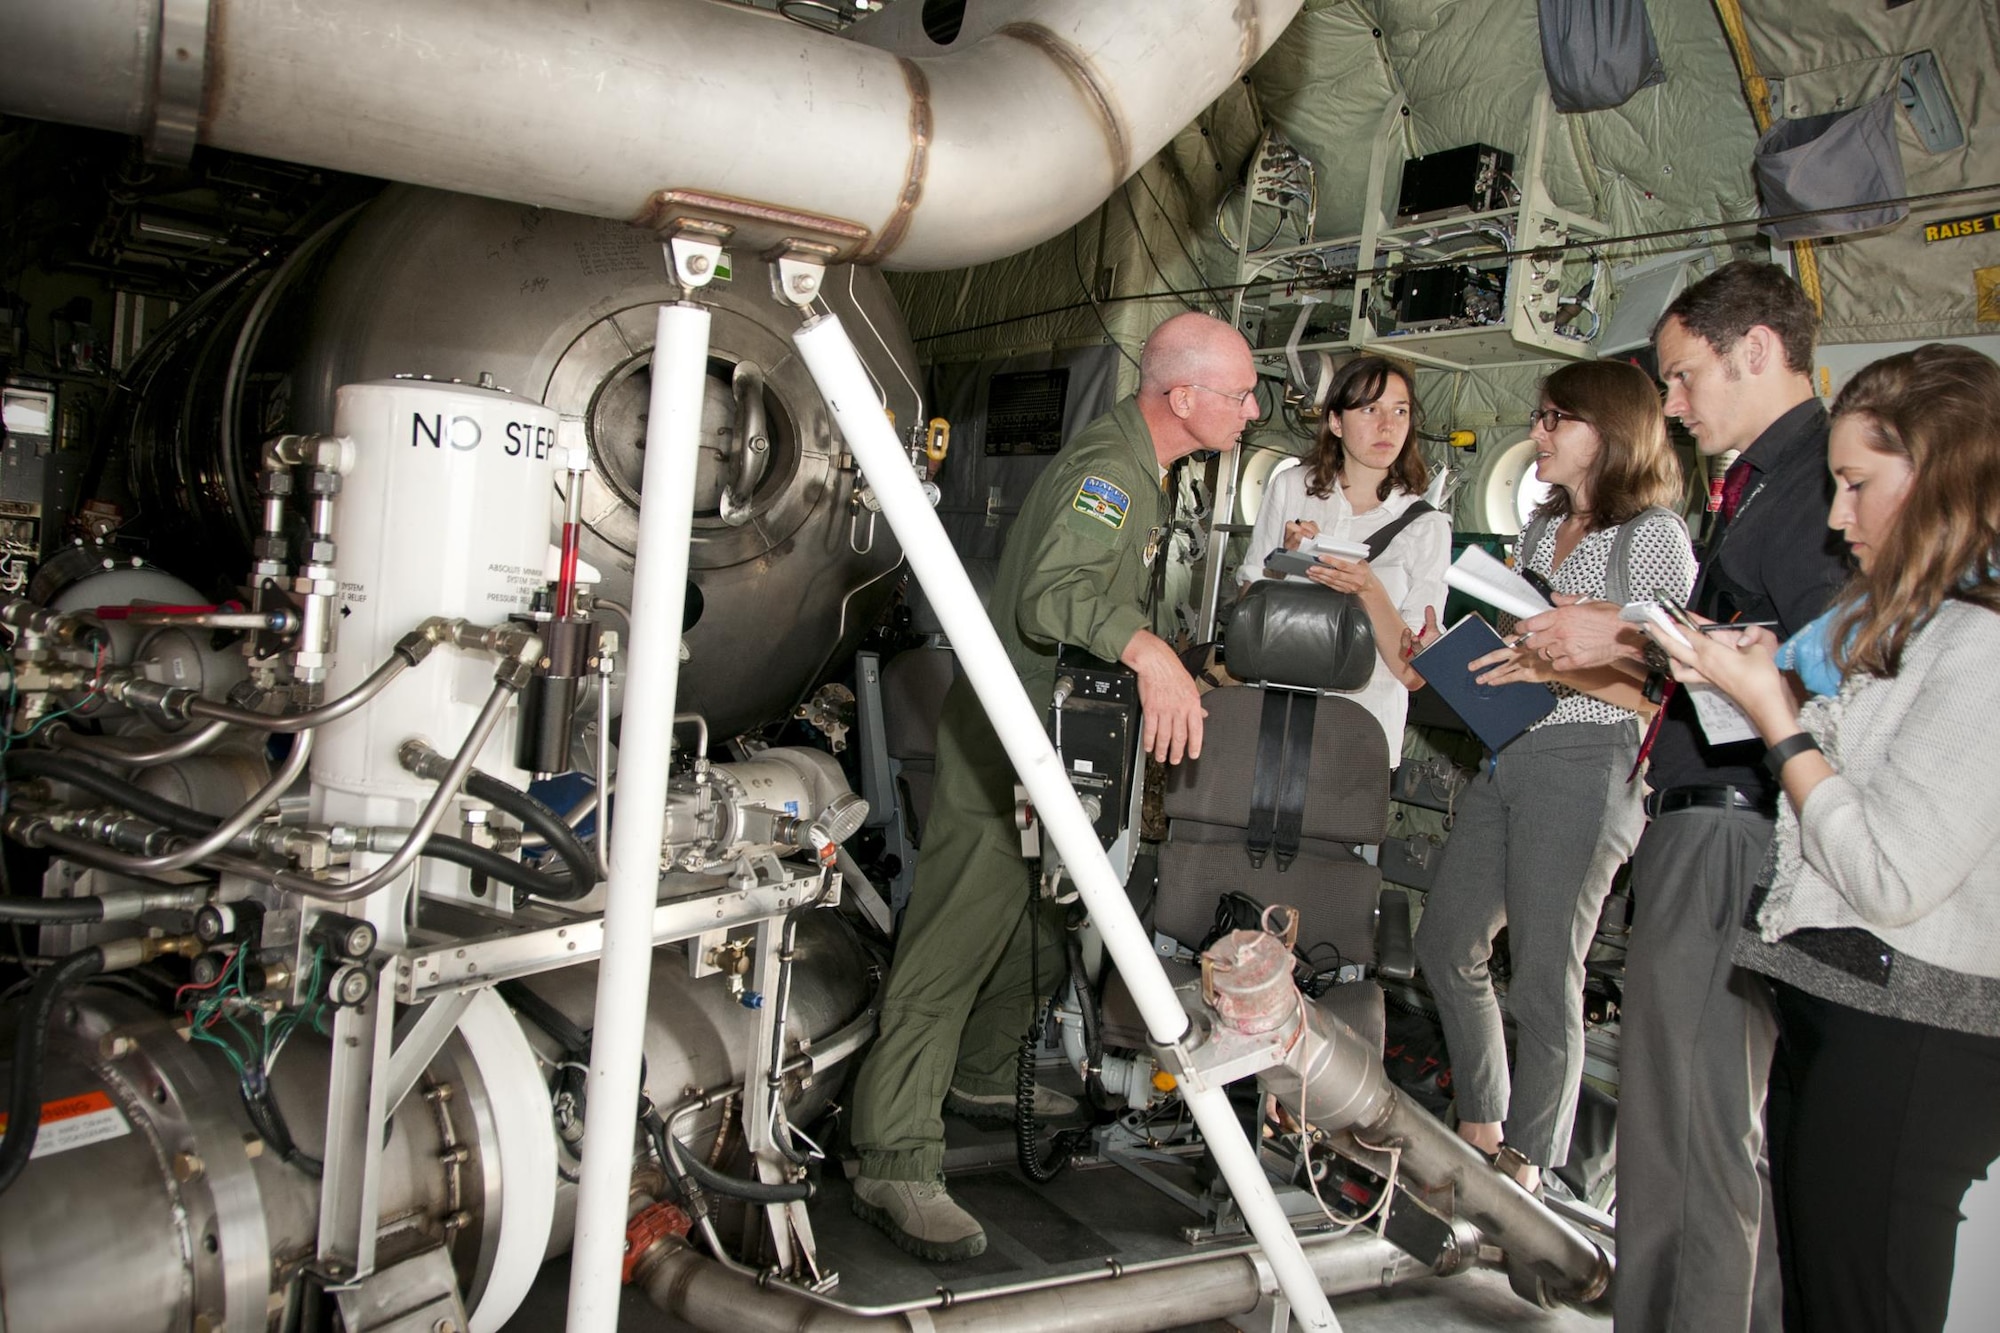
pixel 420 759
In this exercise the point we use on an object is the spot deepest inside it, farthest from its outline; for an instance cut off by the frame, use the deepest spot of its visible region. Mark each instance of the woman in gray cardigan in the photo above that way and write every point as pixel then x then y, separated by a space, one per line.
pixel 1878 920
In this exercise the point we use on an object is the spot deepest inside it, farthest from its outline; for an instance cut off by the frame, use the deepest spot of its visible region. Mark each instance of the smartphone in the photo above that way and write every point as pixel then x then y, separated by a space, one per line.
pixel 1292 562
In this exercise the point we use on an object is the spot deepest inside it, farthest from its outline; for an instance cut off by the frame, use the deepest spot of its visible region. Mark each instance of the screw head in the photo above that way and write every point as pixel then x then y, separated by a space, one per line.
pixel 697 263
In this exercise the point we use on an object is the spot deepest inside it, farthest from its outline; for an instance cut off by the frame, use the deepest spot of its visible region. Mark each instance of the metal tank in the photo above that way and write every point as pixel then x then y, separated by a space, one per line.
pixel 557 308
pixel 155 1204
pixel 561 308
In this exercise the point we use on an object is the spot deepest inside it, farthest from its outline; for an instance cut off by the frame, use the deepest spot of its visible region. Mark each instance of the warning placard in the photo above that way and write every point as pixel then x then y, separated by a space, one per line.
pixel 1958 229
pixel 76 1122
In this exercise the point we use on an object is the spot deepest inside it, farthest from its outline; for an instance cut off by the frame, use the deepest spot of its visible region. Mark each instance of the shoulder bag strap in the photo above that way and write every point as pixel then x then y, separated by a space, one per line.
pixel 1618 566
pixel 1389 531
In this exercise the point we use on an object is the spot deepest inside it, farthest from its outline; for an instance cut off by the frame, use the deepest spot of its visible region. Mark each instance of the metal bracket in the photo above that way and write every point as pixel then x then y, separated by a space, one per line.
pixel 797 269
pixel 422 1040
pixel 181 70
pixel 694 250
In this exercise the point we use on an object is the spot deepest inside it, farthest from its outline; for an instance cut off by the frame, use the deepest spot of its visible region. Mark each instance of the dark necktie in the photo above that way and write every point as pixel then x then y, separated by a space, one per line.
pixel 1734 483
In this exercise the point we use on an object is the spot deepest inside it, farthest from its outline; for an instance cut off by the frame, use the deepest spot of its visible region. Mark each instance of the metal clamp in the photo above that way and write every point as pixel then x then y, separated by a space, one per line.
pixel 181 70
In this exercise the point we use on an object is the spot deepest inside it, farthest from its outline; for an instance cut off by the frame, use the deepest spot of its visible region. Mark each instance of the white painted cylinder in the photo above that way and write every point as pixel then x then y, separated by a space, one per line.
pixel 444 513
pixel 836 367
pixel 652 675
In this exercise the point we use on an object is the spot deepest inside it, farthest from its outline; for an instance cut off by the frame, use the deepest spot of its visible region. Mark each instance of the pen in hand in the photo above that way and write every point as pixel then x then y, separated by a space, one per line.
pixel 1721 625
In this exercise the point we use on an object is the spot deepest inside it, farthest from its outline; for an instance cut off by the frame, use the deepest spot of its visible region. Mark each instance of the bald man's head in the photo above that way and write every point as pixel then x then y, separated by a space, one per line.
pixel 1197 386
pixel 1190 348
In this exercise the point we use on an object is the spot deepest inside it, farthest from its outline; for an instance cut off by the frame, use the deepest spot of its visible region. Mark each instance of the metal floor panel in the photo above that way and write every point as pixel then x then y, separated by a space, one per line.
pixel 1074 1224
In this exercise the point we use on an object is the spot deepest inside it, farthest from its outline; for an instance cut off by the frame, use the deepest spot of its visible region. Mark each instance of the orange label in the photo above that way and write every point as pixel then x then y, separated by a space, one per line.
pixel 76 1122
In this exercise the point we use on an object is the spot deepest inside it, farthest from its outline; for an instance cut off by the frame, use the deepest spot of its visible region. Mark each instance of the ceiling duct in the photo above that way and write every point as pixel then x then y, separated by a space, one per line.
pixel 651 110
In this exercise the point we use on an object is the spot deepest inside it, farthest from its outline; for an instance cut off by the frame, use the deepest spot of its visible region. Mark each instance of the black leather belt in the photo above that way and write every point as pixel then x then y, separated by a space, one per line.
pixel 1705 798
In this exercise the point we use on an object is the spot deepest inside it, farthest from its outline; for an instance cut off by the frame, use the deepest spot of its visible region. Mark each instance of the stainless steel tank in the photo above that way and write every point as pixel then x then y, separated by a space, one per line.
pixel 559 308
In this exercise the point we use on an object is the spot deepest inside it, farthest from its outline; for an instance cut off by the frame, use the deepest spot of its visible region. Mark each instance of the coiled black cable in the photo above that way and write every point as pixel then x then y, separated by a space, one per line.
pixel 1028 1133
pixel 31 1040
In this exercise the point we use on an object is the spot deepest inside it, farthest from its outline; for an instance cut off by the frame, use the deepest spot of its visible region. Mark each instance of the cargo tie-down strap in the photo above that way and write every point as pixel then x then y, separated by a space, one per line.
pixel 1278 787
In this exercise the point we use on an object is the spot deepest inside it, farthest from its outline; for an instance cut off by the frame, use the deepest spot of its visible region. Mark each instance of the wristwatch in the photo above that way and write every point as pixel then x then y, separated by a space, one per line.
pixel 1786 750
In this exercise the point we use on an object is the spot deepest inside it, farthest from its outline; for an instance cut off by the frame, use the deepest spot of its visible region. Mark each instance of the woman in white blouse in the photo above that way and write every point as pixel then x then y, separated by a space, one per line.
pixel 1539 833
pixel 1364 473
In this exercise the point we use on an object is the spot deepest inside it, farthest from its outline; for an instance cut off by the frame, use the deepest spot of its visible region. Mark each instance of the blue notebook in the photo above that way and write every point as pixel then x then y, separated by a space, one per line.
pixel 1494 713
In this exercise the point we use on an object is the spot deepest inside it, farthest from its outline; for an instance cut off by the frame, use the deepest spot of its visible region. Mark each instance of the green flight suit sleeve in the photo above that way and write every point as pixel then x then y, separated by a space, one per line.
pixel 1086 582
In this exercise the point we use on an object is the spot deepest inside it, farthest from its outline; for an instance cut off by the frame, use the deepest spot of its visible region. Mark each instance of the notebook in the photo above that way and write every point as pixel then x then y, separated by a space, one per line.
pixel 1494 713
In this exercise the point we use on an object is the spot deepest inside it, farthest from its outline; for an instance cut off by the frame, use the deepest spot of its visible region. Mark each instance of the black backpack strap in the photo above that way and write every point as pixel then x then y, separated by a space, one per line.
pixel 1389 532
pixel 1266 777
pixel 1292 787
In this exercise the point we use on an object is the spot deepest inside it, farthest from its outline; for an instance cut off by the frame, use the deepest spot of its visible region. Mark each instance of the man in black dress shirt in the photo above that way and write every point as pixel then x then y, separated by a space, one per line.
pixel 1696 1036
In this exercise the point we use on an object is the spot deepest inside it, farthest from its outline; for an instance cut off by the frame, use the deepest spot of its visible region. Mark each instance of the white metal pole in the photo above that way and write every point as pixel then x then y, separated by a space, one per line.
pixel 836 368
pixel 652 671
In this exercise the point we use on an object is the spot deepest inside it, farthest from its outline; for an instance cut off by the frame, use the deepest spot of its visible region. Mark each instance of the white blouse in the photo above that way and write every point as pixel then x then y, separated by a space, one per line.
pixel 1411 570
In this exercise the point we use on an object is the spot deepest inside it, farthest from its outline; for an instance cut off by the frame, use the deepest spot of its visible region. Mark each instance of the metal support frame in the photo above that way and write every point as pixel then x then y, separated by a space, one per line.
pixel 357 1108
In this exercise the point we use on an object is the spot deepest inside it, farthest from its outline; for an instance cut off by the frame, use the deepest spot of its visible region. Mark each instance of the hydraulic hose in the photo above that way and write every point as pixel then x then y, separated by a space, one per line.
pixel 493 865
pixel 51 911
pixel 1093 1028
pixel 534 815
pixel 185 820
pixel 734 1187
pixel 78 773
pixel 31 1040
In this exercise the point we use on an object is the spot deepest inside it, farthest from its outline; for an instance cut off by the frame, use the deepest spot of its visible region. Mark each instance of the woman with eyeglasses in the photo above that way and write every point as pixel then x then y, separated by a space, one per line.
pixel 1364 479
pixel 1538 835
pixel 1877 920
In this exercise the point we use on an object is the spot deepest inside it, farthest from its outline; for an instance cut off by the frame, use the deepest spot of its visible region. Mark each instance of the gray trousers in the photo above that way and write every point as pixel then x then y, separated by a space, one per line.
pixel 1695 1042
pixel 1534 844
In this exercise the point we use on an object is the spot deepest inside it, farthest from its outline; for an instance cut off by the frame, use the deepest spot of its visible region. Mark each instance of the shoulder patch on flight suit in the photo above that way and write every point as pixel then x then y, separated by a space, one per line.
pixel 1102 501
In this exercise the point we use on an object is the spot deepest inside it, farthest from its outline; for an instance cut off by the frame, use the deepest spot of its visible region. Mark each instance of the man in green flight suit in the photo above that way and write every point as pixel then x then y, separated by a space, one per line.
pixel 1076 569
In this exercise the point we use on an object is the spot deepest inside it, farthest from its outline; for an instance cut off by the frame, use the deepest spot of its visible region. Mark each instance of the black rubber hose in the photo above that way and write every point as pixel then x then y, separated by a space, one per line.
pixel 534 815
pixel 78 773
pixel 486 861
pixel 1093 1028
pixel 31 1040
pixel 184 819
pixel 51 911
pixel 735 1187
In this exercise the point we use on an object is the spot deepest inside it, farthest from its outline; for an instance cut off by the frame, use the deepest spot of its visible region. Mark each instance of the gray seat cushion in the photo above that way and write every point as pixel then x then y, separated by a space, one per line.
pixel 1347 792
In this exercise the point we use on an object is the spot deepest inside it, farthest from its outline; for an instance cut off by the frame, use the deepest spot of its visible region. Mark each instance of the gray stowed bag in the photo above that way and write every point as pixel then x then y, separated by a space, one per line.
pixel 1843 159
pixel 1597 53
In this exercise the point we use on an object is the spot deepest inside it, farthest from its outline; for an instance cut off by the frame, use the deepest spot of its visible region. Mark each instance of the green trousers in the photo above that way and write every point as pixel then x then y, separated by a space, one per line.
pixel 960 993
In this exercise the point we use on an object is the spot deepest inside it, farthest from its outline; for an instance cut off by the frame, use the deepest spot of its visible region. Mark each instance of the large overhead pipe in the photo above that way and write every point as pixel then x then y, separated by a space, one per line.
pixel 643 110
pixel 618 1033
pixel 837 370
